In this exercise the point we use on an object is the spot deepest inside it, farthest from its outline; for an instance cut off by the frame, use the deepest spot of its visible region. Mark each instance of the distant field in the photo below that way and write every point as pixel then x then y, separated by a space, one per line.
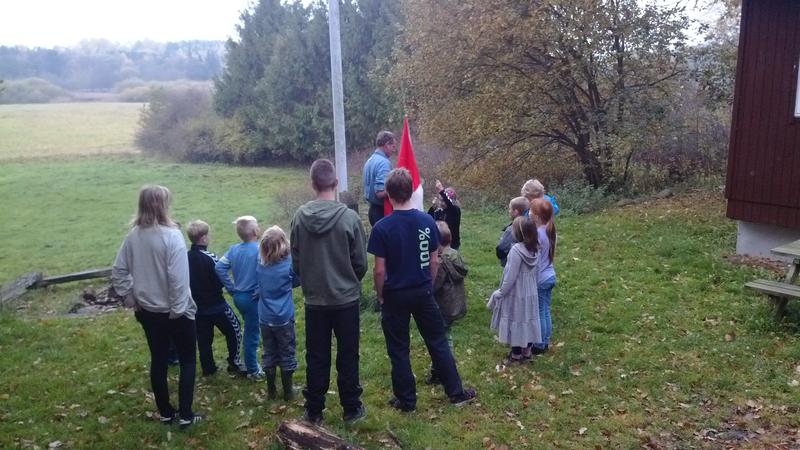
pixel 58 129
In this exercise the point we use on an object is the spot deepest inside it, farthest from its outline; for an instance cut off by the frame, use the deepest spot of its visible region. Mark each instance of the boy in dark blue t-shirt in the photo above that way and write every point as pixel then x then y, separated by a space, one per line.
pixel 405 245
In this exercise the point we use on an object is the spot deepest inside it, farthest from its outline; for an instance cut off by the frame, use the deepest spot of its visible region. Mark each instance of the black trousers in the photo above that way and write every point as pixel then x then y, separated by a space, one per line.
pixel 229 325
pixel 159 329
pixel 398 307
pixel 344 324
pixel 375 213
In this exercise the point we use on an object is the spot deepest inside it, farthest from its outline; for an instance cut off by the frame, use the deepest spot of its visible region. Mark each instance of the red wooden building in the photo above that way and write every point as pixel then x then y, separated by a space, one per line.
pixel 763 181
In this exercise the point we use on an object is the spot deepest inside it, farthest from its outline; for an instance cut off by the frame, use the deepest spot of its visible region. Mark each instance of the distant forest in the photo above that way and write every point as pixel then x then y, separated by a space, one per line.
pixel 101 64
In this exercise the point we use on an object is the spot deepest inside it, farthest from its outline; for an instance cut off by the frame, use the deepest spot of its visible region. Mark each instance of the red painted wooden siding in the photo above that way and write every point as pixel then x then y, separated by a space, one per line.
pixel 763 184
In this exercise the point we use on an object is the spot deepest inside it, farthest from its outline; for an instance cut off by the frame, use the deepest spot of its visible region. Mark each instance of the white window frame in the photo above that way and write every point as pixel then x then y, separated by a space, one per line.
pixel 797 92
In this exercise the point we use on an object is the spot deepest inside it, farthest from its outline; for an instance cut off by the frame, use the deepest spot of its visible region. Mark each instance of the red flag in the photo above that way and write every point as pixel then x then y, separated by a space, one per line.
pixel 407 160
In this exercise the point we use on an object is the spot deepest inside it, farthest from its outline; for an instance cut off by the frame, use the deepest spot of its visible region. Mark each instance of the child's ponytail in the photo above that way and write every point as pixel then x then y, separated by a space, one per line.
pixel 543 209
pixel 551 234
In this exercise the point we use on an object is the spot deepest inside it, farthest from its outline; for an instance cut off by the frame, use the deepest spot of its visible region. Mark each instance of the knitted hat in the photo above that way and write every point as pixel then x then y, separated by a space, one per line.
pixel 451 194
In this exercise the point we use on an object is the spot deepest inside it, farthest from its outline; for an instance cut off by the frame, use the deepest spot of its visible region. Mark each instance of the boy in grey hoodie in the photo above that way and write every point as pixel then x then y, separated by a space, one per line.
pixel 328 246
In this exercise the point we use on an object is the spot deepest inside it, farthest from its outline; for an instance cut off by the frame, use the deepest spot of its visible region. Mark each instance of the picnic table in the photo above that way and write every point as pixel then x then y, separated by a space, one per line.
pixel 780 292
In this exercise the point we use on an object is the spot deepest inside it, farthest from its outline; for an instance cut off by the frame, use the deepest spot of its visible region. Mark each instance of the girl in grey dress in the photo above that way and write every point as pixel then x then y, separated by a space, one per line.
pixel 515 306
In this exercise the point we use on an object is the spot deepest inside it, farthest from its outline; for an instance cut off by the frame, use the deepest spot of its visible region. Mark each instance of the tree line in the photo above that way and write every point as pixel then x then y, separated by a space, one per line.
pixel 100 64
pixel 610 92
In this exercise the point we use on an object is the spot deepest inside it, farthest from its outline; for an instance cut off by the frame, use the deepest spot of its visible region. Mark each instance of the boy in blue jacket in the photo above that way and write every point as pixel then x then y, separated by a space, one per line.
pixel 241 260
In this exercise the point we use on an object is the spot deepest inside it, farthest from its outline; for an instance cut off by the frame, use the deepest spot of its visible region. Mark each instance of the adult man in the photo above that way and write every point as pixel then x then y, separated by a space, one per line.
pixel 375 170
pixel 405 245
pixel 328 253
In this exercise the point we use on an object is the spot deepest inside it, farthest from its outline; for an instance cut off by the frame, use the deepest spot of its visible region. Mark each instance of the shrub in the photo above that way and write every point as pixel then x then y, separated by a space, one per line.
pixel 174 122
pixel 136 90
pixel 578 197
pixel 32 90
pixel 289 199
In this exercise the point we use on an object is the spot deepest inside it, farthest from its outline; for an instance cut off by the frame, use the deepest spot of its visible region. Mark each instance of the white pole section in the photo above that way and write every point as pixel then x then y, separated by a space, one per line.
pixel 340 146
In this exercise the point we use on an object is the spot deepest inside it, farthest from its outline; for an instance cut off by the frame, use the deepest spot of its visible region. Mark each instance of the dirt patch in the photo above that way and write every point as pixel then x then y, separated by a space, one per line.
pixel 97 302
pixel 749 428
pixel 774 266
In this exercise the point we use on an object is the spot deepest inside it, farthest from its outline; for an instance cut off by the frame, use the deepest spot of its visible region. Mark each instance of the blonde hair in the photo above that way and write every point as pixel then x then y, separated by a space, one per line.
pixel 246 227
pixel 532 189
pixel 196 230
pixel 274 246
pixel 154 202
pixel 519 204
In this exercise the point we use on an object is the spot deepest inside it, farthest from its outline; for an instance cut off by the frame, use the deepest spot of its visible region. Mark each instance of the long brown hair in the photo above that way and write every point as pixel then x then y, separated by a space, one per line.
pixel 543 209
pixel 154 202
pixel 524 231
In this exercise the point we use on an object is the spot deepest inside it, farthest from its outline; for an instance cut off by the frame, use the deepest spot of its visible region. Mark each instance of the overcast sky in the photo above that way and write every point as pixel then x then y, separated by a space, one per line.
pixel 48 23
pixel 64 23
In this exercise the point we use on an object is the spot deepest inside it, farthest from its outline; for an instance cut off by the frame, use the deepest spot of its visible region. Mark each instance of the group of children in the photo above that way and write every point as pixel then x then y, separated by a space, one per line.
pixel 261 288
pixel 521 305
pixel 418 272
pixel 258 274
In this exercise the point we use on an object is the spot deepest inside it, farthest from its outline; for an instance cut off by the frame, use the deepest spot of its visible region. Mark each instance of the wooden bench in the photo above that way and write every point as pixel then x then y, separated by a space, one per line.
pixel 778 291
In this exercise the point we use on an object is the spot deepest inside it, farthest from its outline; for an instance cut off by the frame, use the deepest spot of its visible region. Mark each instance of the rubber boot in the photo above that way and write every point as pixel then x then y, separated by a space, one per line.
pixel 272 390
pixel 286 381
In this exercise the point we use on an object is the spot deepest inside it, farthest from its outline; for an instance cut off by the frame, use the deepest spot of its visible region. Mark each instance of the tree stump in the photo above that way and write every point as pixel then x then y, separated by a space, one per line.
pixel 301 435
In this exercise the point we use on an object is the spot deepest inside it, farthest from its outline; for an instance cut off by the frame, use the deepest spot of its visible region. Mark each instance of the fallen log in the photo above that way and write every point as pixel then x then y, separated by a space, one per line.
pixel 76 276
pixel 34 280
pixel 19 286
pixel 301 435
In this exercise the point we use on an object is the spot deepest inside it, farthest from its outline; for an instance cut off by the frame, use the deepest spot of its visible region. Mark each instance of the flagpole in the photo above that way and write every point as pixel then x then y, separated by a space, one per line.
pixel 340 146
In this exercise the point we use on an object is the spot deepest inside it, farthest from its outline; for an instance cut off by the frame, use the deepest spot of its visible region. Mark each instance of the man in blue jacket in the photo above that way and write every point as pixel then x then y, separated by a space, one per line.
pixel 375 170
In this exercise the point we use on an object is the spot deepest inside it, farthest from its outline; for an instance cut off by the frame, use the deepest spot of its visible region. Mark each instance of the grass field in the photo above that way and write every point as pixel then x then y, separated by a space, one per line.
pixel 29 131
pixel 657 345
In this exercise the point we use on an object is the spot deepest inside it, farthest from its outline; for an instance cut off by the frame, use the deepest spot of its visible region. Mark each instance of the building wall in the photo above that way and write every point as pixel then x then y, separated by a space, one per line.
pixel 756 239
pixel 763 184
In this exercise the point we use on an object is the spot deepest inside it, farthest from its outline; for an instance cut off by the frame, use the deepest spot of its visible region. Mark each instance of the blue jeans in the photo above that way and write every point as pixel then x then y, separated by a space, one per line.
pixel 545 290
pixel 279 346
pixel 398 307
pixel 248 308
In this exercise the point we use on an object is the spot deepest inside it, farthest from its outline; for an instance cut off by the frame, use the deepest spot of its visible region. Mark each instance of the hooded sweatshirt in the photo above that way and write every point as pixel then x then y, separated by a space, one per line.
pixel 448 288
pixel 328 253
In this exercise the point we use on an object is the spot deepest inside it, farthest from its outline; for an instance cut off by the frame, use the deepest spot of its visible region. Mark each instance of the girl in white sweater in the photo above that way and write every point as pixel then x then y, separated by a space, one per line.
pixel 152 273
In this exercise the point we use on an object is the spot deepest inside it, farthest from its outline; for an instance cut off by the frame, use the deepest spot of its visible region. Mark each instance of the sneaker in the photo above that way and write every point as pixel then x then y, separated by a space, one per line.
pixel 167 420
pixel 355 416
pixel 313 419
pixel 465 398
pixel 511 358
pixel 433 379
pixel 186 423
pixel 237 370
pixel 208 373
pixel 400 406
pixel 539 350
pixel 260 375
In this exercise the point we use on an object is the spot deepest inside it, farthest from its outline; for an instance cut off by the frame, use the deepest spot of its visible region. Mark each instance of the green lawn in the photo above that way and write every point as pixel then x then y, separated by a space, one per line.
pixel 656 343
pixel 54 129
